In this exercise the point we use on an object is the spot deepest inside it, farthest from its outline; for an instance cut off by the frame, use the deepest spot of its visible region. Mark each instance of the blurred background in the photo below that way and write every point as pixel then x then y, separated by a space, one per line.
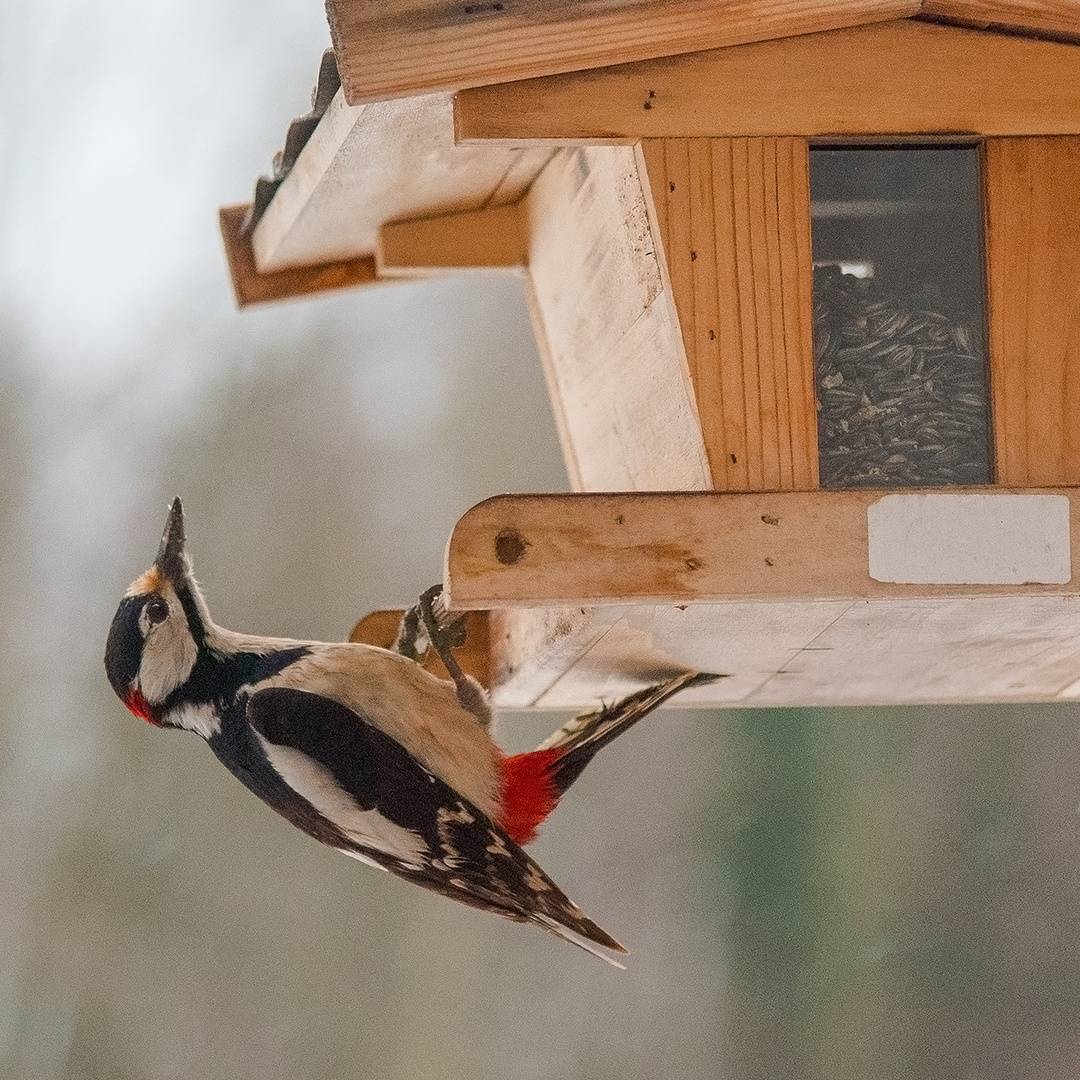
pixel 847 893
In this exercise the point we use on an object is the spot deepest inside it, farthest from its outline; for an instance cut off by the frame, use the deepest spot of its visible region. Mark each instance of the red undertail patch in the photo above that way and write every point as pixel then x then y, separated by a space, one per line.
pixel 529 792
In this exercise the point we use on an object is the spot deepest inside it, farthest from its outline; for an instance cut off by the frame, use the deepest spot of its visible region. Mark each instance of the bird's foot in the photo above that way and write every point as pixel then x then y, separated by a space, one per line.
pixel 444 638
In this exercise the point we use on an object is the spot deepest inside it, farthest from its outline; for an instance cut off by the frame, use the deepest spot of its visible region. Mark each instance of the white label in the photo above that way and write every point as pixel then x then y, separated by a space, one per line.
pixel 970 539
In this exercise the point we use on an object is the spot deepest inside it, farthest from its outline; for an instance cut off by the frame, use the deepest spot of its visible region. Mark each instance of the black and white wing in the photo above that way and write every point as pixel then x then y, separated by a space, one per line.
pixel 360 791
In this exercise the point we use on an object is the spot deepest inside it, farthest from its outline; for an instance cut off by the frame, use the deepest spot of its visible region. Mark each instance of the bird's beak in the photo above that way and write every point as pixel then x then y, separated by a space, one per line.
pixel 170 559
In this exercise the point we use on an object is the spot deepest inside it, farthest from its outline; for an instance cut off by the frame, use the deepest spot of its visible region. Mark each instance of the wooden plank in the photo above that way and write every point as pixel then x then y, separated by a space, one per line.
pixel 614 356
pixel 682 547
pixel 934 651
pixel 1033 250
pixel 776 653
pixel 1052 18
pixel 736 216
pixel 903 77
pixel 723 350
pixel 478 239
pixel 252 287
pixel 390 161
pixel 736 187
pixel 797 300
pixel 635 645
pixel 800 653
pixel 381 628
pixel 389 48
pixel 768 297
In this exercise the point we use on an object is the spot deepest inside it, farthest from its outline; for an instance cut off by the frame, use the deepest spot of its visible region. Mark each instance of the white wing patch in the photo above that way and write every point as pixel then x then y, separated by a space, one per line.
pixel 367 860
pixel 415 709
pixel 315 783
pixel 198 718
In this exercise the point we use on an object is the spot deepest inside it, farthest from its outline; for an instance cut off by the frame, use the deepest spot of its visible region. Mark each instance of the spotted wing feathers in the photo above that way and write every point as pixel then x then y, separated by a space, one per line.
pixel 386 808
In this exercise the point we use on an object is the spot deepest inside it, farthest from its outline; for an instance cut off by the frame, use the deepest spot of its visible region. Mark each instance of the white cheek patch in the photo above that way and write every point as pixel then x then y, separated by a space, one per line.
pixel 368 827
pixel 169 652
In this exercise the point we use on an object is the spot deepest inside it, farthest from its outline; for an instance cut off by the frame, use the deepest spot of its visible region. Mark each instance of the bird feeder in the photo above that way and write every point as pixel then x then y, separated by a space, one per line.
pixel 805 281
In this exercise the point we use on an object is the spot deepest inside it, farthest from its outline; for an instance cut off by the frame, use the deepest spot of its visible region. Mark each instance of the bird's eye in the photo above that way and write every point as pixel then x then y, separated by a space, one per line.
pixel 157 610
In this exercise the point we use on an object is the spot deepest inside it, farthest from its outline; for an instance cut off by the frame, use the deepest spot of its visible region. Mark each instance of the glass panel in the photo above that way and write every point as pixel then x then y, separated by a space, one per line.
pixel 899 316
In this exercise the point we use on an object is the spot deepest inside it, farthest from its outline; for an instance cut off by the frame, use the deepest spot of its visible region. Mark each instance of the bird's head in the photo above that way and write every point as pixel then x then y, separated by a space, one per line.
pixel 158 629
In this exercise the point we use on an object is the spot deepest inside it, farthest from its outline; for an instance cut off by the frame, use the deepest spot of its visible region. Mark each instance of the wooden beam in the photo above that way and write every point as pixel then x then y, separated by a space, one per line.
pixel 609 333
pixel 683 547
pixel 491 239
pixel 903 77
pixel 391 48
pixel 252 287
pixel 928 650
pixel 1052 18
pixel 802 653
pixel 1033 250
pixel 389 161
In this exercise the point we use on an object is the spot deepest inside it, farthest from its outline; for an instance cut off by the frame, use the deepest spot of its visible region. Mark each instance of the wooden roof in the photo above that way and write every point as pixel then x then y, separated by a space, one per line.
pixel 424 149
pixel 394 48
pixel 439 154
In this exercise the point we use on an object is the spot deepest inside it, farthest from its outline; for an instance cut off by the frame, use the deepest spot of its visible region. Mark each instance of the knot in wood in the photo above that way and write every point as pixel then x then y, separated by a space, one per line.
pixel 510 545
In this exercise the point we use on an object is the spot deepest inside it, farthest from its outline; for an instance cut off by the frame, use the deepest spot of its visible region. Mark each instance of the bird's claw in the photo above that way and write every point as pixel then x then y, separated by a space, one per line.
pixel 444 639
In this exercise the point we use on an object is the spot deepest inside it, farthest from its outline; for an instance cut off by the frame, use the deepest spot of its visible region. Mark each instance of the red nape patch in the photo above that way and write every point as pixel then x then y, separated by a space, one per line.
pixel 529 792
pixel 140 706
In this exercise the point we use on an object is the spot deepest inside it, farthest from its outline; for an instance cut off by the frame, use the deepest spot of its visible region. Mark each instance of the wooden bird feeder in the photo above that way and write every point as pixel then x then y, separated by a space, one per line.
pixel 805 279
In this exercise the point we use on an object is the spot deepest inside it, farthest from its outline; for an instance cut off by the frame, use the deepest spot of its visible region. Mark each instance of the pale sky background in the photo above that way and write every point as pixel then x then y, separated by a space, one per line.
pixel 846 893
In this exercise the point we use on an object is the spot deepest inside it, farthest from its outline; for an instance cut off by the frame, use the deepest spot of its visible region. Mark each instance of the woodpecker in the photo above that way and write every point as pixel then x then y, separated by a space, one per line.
pixel 361 747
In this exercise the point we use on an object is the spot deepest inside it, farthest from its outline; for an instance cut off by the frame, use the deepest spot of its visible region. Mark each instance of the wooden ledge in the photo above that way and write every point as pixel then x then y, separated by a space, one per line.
pixel 251 287
pixel 688 547
pixel 898 77
pixel 594 595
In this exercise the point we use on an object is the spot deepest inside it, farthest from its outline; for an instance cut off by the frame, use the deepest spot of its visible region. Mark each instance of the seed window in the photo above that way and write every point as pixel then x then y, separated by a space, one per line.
pixel 899 316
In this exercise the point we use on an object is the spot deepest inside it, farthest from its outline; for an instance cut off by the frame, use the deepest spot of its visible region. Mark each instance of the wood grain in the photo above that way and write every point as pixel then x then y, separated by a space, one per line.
pixel 1056 18
pixel 389 48
pixel 903 77
pixel 478 240
pixel 776 653
pixel 734 219
pixel 532 648
pixel 606 320
pixel 1033 251
pixel 252 287
pixel 370 164
pixel 800 653
pixel 681 547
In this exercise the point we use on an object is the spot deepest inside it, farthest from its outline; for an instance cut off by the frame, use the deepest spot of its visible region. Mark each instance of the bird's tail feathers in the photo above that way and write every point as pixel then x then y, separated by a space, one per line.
pixel 596 729
pixel 534 782
pixel 589 944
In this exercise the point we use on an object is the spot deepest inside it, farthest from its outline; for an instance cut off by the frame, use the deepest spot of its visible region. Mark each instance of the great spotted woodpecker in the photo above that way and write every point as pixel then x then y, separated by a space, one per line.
pixel 360 747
